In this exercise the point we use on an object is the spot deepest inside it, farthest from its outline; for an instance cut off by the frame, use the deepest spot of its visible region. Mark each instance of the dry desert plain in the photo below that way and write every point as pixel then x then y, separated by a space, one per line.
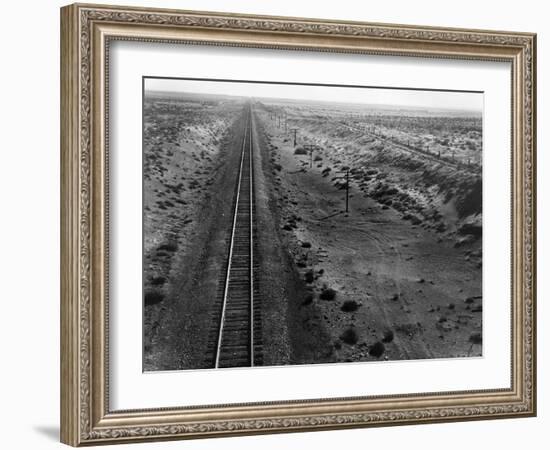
pixel 396 276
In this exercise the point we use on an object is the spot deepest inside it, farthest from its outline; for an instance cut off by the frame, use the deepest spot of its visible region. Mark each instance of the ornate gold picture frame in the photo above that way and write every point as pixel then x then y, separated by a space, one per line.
pixel 87 31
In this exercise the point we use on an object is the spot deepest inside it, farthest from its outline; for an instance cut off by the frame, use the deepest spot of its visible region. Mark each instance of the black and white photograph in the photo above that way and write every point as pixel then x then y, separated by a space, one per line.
pixel 288 224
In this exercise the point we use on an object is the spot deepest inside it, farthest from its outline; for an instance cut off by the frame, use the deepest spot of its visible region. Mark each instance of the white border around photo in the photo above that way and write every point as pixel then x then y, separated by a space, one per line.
pixel 130 388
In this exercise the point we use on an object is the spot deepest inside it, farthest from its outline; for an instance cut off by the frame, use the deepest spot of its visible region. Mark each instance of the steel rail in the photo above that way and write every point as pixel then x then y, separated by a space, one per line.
pixel 233 228
pixel 251 198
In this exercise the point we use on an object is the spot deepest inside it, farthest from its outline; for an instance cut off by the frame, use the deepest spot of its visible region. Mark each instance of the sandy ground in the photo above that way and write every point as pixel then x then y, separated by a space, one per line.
pixel 396 277
pixel 401 290
pixel 291 334
pixel 186 166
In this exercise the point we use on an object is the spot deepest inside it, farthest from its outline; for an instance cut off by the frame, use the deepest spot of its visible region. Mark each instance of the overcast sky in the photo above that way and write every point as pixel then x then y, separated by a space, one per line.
pixel 463 101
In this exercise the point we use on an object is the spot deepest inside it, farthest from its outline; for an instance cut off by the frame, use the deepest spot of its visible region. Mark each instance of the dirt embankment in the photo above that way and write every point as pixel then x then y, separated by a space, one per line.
pixel 443 194
pixel 398 276
pixel 292 334
pixel 190 176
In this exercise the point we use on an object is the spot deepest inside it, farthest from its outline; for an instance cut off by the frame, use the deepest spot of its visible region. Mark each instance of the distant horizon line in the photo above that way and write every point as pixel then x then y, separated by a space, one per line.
pixel 387 105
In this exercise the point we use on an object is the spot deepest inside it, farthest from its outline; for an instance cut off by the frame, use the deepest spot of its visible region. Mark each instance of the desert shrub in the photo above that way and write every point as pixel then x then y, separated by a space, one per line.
pixel 158 281
pixel 300 151
pixel 414 219
pixel 475 338
pixel 153 297
pixel 350 336
pixel 318 158
pixel 377 349
pixel 169 247
pixel 277 167
pixel 388 336
pixel 306 244
pixel 302 264
pixel 350 306
pixel 327 294
pixel 473 229
pixel 308 299
pixel 309 276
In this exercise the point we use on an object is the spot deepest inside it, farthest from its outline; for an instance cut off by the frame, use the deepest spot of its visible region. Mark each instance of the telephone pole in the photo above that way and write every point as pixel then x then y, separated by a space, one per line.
pixel 294 130
pixel 310 148
pixel 347 190
pixel 347 187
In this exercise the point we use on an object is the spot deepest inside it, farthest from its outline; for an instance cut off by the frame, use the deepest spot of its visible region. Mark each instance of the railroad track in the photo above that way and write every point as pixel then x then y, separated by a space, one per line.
pixel 235 336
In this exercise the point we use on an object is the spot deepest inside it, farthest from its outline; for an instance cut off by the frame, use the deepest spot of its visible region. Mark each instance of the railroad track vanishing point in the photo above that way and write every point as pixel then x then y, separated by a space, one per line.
pixel 235 336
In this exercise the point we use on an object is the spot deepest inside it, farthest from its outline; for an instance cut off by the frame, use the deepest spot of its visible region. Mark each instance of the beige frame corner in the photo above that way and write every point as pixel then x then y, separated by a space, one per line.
pixel 86 31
